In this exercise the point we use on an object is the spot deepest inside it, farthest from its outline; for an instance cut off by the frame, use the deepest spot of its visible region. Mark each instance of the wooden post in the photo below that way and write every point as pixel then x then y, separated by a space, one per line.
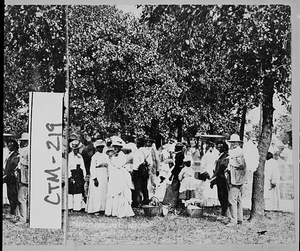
pixel 66 103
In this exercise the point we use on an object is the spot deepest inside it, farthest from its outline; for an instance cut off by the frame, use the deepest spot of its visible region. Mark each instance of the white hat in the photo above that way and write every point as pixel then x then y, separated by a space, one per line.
pixel 117 143
pixel 187 158
pixel 25 136
pixel 115 138
pixel 130 146
pixel 76 144
pixel 235 138
pixel 99 142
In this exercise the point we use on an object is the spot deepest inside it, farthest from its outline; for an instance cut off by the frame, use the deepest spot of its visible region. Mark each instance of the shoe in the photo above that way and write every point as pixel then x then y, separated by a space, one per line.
pixel 231 224
pixel 19 223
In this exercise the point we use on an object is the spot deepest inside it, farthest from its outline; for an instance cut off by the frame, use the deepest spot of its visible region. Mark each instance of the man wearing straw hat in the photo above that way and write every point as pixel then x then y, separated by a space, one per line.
pixel 23 182
pixel 237 177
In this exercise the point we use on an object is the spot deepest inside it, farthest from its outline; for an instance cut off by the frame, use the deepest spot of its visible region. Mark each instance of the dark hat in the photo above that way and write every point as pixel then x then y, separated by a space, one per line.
pixel 149 140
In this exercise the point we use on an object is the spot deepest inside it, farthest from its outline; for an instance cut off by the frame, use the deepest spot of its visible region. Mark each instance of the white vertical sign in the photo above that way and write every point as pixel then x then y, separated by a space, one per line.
pixel 45 159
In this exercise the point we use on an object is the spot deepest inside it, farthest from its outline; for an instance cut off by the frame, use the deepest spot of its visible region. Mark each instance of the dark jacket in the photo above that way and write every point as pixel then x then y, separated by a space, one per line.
pixel 221 165
pixel 76 181
pixel 178 164
pixel 11 164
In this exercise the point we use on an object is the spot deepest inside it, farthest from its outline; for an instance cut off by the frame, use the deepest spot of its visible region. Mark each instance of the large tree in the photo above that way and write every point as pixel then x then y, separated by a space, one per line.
pixel 34 51
pixel 237 57
pixel 119 81
pixel 273 57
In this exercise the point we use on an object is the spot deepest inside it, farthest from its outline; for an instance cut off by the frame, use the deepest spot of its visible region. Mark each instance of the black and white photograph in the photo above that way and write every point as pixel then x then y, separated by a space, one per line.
pixel 171 125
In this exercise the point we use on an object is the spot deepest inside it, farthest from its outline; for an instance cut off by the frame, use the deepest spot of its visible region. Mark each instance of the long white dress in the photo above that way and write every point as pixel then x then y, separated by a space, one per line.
pixel 271 194
pixel 96 200
pixel 208 161
pixel 119 188
pixel 5 200
pixel 165 172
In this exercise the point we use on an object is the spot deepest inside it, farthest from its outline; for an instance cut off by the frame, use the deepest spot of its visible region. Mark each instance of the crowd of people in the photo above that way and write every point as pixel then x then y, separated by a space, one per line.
pixel 15 176
pixel 111 177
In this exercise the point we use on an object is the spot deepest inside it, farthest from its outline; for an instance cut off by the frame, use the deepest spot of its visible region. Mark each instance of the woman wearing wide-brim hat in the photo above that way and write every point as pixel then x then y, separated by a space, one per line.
pixel 76 174
pixel 119 184
pixel 96 201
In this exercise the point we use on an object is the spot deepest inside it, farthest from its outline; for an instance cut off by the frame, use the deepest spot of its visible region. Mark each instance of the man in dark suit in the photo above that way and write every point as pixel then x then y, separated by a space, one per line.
pixel 140 175
pixel 10 175
pixel 218 177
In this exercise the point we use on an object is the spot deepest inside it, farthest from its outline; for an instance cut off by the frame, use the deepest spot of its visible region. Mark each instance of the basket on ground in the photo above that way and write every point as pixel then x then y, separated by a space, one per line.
pixel 150 210
pixel 194 212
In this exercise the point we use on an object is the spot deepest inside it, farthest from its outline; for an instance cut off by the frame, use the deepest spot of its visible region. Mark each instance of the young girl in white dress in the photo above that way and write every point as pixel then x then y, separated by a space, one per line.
pixel 187 181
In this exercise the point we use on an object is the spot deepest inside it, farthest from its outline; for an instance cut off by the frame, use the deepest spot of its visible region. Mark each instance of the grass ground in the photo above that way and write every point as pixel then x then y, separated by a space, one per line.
pixel 84 229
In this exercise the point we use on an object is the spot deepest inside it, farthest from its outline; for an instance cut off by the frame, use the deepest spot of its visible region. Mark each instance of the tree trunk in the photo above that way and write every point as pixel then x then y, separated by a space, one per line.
pixel 179 124
pixel 258 203
pixel 59 52
pixel 243 122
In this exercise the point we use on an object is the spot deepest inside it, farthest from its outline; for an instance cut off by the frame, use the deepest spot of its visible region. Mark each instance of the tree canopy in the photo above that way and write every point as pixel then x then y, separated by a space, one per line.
pixel 180 67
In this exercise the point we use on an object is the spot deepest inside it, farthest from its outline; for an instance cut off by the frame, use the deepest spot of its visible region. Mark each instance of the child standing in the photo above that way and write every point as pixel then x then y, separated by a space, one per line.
pixel 187 181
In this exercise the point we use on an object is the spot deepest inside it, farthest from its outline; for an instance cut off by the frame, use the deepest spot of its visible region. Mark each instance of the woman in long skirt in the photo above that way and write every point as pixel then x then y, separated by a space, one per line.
pixel 96 201
pixel 119 185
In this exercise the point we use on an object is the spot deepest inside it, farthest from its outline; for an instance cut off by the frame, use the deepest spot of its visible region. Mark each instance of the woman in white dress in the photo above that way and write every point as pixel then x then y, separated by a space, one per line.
pixel 96 201
pixel 208 164
pixel 5 200
pixel 119 185
pixel 271 186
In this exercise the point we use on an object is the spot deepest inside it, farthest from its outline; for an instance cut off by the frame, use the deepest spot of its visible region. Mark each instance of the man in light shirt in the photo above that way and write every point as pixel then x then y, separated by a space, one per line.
pixel 237 173
pixel 23 182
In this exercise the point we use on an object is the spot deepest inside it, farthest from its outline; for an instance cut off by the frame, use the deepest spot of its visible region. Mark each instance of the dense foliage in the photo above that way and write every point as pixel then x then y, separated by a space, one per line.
pixel 177 70
pixel 182 68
